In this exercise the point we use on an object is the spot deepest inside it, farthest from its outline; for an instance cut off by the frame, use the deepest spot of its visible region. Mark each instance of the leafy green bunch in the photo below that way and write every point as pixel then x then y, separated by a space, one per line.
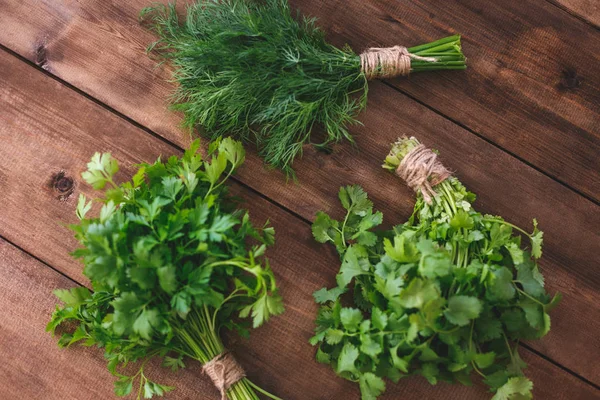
pixel 448 293
pixel 250 69
pixel 170 264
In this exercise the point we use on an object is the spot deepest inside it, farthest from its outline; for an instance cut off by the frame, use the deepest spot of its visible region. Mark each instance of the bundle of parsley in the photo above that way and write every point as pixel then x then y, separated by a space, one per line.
pixel 170 265
pixel 448 293
pixel 247 68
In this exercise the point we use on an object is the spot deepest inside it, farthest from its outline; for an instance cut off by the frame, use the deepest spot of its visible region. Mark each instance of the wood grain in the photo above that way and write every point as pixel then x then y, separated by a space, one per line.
pixel 571 246
pixel 586 9
pixel 533 86
pixel 49 128
pixel 533 82
pixel 34 367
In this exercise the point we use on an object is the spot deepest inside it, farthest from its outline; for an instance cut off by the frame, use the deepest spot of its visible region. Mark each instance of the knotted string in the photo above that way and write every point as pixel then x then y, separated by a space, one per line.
pixel 224 371
pixel 421 171
pixel 388 62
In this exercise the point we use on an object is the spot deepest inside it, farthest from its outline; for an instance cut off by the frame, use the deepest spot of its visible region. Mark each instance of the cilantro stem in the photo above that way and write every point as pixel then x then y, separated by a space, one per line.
pixel 142 378
pixel 527 295
pixel 344 227
pixel 471 350
pixel 446 188
pixel 510 353
pixel 436 330
pixel 501 221
pixel 261 390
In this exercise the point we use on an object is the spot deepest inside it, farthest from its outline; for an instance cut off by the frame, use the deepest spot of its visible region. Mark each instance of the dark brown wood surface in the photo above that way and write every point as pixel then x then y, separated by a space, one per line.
pixel 34 367
pixel 533 86
pixel 588 10
pixel 104 56
pixel 49 144
pixel 48 132
pixel 532 89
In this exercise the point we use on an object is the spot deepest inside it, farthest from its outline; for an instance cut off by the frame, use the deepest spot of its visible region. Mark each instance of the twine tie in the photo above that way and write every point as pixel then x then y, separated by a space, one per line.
pixel 421 171
pixel 388 62
pixel 224 371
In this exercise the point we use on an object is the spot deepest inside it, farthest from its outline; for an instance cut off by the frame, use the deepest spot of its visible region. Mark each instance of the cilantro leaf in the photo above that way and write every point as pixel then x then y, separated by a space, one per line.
pixel 351 318
pixel 404 250
pixel 484 360
pixel 322 227
pixel 378 319
pixel 371 386
pixel 354 264
pixel 334 336
pixel 101 169
pixel 347 358
pixel 462 309
pixel 516 253
pixel 440 295
pixel 537 239
pixel 502 287
pixel 462 219
pixel 530 278
pixel 515 386
pixel 354 199
pixel 73 297
pixel 417 293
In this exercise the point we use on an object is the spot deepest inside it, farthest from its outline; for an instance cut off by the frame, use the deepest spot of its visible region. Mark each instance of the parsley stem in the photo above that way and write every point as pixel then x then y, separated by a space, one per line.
pixel 211 188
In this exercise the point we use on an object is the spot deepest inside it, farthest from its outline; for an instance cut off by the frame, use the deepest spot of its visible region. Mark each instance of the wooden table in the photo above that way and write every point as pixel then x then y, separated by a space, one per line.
pixel 520 127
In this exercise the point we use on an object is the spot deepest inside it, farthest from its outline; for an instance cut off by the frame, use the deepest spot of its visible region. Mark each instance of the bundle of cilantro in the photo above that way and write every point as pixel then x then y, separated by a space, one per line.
pixel 447 293
pixel 170 266
pixel 251 69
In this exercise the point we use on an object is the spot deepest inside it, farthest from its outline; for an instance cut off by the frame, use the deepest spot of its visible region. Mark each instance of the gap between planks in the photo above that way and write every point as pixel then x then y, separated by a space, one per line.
pixel 489 141
pixel 186 380
pixel 385 82
pixel 573 13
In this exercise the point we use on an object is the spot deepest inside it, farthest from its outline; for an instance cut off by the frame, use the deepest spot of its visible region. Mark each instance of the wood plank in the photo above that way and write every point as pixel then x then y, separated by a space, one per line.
pixel 533 86
pixel 586 9
pixel 34 367
pixel 571 247
pixel 42 137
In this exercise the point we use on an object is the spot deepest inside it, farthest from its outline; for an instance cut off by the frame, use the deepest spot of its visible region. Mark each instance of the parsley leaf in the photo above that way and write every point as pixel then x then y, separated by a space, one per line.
pixel 171 261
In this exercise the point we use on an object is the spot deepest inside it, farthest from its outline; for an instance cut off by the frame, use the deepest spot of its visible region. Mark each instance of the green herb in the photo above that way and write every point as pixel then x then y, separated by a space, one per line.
pixel 249 69
pixel 448 293
pixel 170 266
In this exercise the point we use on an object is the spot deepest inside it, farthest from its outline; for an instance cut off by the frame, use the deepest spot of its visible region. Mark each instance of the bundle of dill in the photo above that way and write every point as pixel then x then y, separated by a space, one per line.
pixel 250 70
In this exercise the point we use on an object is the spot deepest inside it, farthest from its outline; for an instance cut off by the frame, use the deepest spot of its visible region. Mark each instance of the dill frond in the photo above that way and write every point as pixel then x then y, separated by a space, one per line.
pixel 251 70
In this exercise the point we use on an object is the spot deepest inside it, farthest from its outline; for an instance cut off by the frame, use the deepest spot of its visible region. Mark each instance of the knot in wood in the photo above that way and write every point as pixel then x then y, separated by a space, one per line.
pixel 64 184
